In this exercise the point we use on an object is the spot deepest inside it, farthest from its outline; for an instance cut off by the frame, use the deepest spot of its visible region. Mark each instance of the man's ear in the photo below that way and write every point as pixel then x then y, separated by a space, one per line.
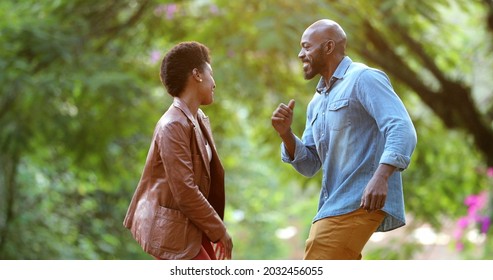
pixel 330 46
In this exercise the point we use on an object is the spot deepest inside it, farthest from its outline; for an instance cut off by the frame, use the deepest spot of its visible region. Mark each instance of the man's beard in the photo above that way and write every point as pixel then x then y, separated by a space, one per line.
pixel 315 65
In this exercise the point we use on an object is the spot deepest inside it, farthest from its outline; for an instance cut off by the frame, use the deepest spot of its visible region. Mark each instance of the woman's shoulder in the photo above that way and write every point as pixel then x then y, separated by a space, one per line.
pixel 174 118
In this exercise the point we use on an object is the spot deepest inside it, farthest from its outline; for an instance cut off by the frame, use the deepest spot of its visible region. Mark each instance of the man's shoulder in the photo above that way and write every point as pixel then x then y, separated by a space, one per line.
pixel 360 71
pixel 358 68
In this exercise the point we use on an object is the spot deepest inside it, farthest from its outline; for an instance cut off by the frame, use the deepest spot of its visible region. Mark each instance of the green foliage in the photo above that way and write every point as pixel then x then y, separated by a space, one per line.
pixel 445 169
pixel 394 249
pixel 81 94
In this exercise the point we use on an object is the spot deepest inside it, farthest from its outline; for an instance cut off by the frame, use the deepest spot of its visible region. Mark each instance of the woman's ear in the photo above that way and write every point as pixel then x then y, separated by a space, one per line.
pixel 196 74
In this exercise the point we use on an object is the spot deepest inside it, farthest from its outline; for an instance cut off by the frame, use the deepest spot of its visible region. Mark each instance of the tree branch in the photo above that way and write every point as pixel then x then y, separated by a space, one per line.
pixel 452 103
pixel 489 18
pixel 385 57
pixel 113 31
pixel 420 52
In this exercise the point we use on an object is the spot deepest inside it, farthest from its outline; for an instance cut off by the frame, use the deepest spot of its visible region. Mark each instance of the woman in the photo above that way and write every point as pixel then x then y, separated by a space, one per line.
pixel 178 207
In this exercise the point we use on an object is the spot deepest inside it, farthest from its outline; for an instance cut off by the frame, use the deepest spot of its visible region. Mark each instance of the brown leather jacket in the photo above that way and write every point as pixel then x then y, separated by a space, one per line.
pixel 180 195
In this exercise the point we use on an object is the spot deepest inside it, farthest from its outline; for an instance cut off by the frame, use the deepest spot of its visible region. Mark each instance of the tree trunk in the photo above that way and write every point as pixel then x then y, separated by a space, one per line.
pixel 8 176
pixel 452 102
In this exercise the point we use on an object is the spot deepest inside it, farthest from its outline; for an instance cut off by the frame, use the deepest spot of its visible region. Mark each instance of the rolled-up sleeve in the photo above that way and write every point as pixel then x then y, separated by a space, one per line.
pixel 305 161
pixel 391 116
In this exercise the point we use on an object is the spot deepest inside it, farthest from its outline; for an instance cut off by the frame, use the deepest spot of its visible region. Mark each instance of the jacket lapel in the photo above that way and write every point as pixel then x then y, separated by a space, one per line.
pixel 177 102
pixel 205 128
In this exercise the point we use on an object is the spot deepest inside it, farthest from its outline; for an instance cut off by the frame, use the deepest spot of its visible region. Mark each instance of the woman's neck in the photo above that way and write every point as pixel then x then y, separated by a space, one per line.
pixel 190 99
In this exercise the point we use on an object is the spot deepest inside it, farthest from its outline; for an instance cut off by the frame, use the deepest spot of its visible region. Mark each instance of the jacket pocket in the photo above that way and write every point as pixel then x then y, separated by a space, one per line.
pixel 169 230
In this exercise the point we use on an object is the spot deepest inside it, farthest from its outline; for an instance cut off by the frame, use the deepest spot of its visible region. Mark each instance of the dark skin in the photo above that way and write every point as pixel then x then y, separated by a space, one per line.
pixel 323 46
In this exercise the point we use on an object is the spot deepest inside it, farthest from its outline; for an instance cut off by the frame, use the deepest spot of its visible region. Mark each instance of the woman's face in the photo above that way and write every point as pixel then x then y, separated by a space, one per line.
pixel 207 86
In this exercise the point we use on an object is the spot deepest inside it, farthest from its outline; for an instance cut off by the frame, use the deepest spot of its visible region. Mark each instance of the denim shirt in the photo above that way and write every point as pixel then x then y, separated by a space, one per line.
pixel 352 126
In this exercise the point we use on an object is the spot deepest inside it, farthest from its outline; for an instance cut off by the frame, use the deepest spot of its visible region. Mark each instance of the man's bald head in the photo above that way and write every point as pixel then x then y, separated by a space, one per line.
pixel 325 30
pixel 323 47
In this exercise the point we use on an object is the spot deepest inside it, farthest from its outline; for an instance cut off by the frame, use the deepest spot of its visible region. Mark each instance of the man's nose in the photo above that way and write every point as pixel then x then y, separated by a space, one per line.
pixel 301 54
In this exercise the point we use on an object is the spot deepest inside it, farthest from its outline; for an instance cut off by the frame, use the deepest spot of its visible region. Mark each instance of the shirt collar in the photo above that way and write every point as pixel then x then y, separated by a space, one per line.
pixel 338 74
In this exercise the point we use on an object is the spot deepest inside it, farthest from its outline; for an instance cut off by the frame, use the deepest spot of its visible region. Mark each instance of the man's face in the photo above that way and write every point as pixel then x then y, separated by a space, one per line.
pixel 312 55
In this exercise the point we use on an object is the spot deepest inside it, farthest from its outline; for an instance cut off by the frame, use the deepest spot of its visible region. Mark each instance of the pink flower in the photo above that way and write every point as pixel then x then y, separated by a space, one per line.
pixel 214 9
pixel 471 200
pixel 485 224
pixel 171 10
pixel 155 56
pixel 489 172
pixel 462 223
pixel 459 246
pixel 458 232
pixel 475 205
pixel 476 202
pixel 168 9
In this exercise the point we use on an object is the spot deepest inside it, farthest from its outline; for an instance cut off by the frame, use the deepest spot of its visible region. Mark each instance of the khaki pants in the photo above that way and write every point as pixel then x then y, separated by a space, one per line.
pixel 342 237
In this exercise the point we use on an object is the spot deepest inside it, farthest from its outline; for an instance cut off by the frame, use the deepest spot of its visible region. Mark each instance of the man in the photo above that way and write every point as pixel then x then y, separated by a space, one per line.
pixel 359 132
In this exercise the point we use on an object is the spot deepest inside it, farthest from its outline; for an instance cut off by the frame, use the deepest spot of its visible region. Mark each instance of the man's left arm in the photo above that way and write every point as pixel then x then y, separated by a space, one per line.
pixel 395 123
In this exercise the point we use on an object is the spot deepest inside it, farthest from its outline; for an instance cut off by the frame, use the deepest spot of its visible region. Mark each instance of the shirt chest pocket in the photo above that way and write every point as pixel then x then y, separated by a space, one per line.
pixel 339 114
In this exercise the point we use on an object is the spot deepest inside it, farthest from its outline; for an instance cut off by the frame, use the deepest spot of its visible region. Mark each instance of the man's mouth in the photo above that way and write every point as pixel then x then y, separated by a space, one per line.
pixel 306 65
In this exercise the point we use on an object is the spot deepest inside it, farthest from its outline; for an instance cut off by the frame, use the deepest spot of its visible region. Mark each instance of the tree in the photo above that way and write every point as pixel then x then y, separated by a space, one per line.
pixel 70 108
pixel 80 96
pixel 408 49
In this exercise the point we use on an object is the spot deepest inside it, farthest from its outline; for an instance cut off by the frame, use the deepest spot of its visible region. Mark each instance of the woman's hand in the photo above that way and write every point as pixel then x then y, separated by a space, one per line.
pixel 224 247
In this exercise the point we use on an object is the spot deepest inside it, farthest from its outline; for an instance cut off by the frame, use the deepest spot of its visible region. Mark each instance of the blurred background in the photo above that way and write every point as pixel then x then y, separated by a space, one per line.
pixel 80 95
